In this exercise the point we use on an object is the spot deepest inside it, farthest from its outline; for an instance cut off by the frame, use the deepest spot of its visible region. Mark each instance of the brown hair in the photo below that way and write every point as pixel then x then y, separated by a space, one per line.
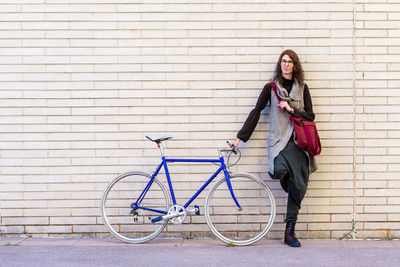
pixel 298 72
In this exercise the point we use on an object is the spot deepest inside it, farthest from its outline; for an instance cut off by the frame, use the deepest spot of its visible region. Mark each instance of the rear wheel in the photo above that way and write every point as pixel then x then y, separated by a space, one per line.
pixel 134 225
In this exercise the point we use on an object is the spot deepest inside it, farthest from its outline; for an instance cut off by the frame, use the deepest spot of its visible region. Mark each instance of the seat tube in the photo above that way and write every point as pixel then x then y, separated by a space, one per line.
pixel 228 182
pixel 171 190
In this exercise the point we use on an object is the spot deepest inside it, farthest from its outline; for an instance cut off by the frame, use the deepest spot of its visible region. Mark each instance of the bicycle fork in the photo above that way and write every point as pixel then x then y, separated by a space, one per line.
pixel 228 182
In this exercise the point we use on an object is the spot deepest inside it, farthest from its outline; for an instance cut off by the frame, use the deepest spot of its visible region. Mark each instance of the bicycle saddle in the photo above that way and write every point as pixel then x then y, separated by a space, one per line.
pixel 158 138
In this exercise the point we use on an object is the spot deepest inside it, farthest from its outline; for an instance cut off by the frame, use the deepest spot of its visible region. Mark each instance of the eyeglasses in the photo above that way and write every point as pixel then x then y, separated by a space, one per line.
pixel 289 62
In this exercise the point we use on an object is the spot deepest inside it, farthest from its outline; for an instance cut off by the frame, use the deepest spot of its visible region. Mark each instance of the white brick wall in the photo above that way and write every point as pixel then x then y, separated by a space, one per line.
pixel 83 82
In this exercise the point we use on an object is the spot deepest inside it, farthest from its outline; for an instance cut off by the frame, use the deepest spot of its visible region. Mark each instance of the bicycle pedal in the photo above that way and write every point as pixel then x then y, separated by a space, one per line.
pixel 156 219
pixel 195 210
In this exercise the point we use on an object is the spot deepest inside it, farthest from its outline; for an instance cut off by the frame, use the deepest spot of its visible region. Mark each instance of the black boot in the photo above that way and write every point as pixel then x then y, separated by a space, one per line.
pixel 290 236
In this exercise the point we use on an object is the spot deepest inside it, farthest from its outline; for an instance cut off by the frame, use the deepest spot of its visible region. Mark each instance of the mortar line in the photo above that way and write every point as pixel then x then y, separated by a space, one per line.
pixel 354 113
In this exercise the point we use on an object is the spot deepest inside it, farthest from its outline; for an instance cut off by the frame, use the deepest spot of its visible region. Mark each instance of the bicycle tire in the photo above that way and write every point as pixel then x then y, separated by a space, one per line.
pixel 116 207
pixel 243 227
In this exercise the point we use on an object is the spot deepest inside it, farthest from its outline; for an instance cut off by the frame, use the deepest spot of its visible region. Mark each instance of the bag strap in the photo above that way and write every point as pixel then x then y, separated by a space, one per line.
pixel 276 92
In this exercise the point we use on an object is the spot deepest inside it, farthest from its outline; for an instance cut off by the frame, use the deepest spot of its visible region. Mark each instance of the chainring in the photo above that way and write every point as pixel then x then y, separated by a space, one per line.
pixel 180 213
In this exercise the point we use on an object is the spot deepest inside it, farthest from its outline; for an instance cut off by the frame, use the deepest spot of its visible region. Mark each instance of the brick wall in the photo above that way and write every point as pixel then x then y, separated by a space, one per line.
pixel 82 83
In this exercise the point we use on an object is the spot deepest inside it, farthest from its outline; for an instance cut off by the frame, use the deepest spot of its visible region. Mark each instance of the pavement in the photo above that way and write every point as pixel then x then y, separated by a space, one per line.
pixel 27 251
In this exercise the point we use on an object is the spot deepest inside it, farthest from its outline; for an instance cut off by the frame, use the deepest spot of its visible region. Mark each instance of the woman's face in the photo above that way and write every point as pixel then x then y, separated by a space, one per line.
pixel 287 66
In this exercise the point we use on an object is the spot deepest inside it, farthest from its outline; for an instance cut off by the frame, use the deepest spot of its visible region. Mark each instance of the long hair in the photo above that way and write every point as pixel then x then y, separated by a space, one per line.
pixel 298 72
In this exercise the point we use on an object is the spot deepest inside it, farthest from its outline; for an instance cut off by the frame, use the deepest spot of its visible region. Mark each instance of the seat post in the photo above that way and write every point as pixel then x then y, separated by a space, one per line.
pixel 161 149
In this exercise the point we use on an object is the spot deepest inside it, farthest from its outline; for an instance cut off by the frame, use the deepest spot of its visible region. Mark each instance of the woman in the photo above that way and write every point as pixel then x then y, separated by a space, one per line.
pixel 287 162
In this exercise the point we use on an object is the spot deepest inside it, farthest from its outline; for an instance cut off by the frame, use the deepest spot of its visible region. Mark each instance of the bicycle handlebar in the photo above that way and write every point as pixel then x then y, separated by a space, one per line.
pixel 232 149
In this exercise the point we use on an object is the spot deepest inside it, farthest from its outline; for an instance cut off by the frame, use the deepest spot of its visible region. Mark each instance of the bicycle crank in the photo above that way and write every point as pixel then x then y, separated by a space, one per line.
pixel 176 215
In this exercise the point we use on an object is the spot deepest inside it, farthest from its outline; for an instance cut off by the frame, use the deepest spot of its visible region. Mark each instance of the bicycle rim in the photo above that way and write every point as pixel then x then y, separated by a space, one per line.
pixel 116 207
pixel 245 226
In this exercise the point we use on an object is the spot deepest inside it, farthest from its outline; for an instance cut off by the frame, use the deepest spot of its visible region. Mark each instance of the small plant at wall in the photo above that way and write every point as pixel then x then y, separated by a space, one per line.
pixel 389 234
pixel 353 232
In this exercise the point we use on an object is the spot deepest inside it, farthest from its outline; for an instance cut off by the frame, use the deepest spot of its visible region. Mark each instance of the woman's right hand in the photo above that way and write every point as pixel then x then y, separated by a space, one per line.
pixel 237 142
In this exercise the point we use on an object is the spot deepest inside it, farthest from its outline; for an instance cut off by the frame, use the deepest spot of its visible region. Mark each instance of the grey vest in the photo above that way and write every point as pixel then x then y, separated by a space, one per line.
pixel 281 128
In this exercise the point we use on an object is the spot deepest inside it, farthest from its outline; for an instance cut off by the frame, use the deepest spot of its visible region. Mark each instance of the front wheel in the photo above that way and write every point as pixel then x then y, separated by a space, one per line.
pixel 130 224
pixel 245 226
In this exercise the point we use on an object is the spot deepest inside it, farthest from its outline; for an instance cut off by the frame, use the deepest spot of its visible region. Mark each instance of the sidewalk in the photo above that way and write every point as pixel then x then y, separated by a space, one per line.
pixel 19 251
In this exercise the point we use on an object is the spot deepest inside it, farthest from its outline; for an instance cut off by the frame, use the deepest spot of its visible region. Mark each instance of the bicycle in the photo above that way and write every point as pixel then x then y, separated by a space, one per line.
pixel 239 208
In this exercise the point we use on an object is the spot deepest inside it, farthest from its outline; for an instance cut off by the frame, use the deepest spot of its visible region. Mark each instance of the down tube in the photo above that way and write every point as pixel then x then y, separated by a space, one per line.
pixel 204 186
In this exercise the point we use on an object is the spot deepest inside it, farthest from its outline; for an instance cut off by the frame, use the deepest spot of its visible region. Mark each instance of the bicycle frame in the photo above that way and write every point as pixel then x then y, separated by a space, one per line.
pixel 164 162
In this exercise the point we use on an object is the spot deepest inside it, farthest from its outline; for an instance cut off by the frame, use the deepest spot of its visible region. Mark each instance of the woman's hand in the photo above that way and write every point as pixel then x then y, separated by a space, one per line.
pixel 237 142
pixel 284 105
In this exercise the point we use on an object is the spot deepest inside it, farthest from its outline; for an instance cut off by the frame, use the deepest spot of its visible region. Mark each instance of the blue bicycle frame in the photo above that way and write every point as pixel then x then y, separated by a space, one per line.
pixel 136 205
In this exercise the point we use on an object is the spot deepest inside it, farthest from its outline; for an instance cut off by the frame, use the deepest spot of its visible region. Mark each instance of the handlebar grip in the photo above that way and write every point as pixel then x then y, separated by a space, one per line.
pixel 234 148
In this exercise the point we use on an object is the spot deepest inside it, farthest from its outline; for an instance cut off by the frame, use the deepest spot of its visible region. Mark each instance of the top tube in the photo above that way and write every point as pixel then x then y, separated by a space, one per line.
pixel 192 160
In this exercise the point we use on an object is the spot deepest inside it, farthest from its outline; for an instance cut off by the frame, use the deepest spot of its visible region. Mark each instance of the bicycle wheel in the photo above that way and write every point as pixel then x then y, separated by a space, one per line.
pixel 245 226
pixel 116 209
